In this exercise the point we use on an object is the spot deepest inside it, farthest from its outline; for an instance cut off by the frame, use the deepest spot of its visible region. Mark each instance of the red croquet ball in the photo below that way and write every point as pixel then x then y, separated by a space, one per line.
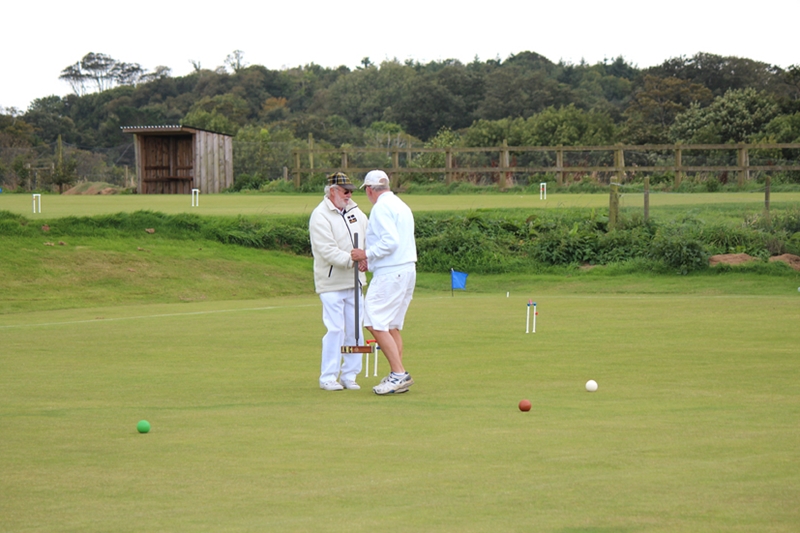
pixel 525 405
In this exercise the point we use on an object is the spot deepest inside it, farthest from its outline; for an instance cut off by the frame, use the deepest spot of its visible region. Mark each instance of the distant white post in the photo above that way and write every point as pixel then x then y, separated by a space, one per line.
pixel 543 191
pixel 35 198
pixel 195 197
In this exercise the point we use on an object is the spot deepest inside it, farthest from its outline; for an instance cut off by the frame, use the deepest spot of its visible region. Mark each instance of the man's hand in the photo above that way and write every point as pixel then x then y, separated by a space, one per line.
pixel 362 266
pixel 357 254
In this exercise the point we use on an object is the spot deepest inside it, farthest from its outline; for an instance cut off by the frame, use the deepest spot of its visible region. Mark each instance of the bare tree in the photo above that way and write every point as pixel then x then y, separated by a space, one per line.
pixel 101 72
pixel 100 69
pixel 127 73
pixel 11 111
pixel 75 77
pixel 235 60
pixel 159 73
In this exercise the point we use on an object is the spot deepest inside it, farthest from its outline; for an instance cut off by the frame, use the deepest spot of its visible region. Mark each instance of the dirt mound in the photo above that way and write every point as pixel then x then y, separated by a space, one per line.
pixel 791 259
pixel 730 259
pixel 94 187
pixel 737 259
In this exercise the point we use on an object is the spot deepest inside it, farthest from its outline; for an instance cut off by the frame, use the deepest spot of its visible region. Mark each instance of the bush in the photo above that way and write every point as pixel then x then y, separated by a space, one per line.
pixel 678 253
pixel 278 186
pixel 788 221
pixel 793 244
pixel 712 184
pixel 566 246
pixel 724 239
pixel 623 245
pixel 483 241
pixel 473 242
pixel 246 182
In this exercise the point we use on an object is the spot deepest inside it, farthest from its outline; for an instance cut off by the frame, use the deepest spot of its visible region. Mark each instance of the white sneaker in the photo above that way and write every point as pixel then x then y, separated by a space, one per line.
pixel 394 385
pixel 350 384
pixel 331 385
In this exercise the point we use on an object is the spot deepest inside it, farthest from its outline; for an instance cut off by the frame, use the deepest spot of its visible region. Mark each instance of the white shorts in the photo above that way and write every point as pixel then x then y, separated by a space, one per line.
pixel 388 298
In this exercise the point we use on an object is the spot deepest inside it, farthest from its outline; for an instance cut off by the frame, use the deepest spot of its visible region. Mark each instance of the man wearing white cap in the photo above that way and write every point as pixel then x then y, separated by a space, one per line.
pixel 391 256
pixel 332 226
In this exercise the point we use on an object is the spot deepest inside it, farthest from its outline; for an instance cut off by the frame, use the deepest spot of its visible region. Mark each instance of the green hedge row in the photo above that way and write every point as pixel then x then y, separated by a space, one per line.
pixel 491 241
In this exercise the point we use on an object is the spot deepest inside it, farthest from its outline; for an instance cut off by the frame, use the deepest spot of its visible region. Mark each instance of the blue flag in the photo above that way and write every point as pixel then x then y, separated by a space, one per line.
pixel 458 280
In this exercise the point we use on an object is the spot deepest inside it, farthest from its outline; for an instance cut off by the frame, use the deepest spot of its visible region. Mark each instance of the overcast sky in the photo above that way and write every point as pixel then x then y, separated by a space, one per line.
pixel 37 41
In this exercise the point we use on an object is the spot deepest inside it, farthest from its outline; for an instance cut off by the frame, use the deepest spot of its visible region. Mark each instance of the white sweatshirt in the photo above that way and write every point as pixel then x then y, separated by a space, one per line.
pixel 390 244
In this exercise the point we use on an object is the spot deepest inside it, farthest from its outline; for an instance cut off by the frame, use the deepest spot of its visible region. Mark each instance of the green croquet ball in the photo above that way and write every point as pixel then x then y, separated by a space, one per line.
pixel 143 426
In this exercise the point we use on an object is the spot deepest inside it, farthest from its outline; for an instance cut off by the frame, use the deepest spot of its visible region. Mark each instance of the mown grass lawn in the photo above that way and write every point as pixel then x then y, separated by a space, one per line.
pixel 55 206
pixel 693 428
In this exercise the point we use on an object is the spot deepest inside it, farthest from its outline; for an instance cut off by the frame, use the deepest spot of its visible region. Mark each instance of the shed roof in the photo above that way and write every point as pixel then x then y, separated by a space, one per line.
pixel 167 129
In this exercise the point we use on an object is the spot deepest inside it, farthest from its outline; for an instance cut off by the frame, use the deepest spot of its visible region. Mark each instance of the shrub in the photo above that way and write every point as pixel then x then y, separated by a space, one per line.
pixel 623 245
pixel 564 247
pixel 282 186
pixel 793 244
pixel 470 242
pixel 678 253
pixel 482 241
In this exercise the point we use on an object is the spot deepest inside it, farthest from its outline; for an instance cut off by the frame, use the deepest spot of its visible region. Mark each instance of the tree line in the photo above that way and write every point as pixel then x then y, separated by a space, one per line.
pixel 525 99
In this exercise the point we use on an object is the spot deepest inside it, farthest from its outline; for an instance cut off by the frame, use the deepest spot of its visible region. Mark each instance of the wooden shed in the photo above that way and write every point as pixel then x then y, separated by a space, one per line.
pixel 177 159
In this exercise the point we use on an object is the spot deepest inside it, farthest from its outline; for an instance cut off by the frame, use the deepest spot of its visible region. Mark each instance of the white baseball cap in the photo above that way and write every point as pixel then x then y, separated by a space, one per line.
pixel 375 178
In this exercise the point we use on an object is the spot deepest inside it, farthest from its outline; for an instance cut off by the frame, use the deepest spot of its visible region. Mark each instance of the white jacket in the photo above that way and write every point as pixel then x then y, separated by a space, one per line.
pixel 331 242
pixel 390 238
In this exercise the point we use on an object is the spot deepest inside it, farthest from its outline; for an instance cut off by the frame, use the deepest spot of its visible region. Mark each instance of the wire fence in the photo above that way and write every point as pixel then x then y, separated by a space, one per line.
pixel 507 166
pixel 33 168
pixel 259 163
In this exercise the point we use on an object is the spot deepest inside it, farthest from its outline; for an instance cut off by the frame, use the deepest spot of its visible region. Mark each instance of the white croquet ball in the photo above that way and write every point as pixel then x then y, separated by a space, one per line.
pixel 591 385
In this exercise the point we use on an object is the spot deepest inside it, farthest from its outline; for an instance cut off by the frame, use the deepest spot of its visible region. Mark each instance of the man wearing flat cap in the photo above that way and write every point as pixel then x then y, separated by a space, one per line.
pixel 332 226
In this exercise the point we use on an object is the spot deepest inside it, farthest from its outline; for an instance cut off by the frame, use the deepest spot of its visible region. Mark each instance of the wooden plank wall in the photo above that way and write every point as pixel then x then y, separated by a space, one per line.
pixel 213 162
pixel 176 164
pixel 139 162
pixel 167 164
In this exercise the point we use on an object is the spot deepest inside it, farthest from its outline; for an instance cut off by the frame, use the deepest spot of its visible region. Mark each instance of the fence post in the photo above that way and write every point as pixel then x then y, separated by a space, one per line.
pixel 448 165
pixel 744 163
pixel 503 165
pixel 344 159
pixel 613 206
pixel 560 166
pixel 311 151
pixel 619 162
pixel 767 183
pixel 646 198
pixel 678 168
pixel 296 169
pixel 395 165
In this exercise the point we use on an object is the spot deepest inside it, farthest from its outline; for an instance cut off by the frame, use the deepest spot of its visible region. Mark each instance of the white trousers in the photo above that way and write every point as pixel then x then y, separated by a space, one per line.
pixel 338 309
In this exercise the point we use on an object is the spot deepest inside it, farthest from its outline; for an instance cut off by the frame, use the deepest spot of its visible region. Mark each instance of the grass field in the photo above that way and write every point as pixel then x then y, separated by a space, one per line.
pixel 694 426
pixel 54 206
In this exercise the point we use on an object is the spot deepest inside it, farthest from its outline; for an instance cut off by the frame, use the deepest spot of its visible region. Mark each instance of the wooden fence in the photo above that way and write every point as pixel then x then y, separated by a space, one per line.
pixel 502 161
